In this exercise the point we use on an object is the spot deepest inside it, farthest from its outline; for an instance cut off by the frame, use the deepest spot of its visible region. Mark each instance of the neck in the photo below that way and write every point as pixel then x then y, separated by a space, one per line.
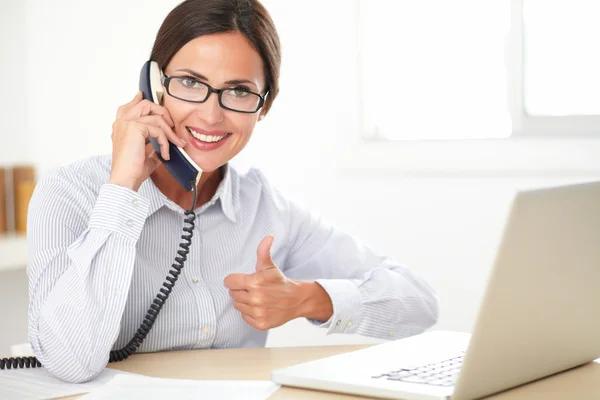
pixel 206 189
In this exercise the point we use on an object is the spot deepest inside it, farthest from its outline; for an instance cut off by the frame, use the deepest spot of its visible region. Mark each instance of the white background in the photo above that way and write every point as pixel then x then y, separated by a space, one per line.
pixel 67 65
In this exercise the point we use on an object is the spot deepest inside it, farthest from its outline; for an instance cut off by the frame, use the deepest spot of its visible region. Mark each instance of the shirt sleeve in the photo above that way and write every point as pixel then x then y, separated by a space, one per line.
pixel 81 258
pixel 371 294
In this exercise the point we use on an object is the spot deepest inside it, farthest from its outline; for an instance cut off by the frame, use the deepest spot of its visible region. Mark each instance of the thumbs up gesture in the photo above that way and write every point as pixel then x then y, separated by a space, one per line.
pixel 266 299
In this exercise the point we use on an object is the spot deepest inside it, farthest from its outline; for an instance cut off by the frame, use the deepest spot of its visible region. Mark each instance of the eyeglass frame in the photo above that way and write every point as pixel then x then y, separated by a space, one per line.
pixel 167 79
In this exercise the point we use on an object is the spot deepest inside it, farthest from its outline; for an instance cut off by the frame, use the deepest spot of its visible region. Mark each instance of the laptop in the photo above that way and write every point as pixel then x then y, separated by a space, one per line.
pixel 540 315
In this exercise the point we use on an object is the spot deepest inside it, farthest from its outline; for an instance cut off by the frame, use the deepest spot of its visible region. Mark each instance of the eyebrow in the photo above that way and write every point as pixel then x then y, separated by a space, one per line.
pixel 231 82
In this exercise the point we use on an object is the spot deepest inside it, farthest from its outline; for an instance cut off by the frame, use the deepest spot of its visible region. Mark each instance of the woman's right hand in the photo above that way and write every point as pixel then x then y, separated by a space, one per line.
pixel 136 121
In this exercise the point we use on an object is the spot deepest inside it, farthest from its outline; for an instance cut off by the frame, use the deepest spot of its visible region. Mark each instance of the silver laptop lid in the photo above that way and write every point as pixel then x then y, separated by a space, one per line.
pixel 541 310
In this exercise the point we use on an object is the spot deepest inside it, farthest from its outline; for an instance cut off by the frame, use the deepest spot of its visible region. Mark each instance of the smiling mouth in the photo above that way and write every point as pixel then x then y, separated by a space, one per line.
pixel 207 138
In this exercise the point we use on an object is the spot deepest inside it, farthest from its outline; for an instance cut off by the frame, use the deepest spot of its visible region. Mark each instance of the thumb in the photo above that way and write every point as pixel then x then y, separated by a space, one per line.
pixel 263 254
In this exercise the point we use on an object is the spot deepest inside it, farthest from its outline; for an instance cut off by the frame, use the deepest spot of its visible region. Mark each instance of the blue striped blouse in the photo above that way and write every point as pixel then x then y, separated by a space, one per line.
pixel 99 254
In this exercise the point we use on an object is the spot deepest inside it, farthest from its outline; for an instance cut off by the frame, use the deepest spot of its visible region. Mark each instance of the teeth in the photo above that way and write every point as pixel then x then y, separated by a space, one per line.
pixel 205 138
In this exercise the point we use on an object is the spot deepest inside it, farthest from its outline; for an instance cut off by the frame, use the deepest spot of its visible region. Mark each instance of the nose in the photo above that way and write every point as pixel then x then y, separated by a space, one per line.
pixel 210 111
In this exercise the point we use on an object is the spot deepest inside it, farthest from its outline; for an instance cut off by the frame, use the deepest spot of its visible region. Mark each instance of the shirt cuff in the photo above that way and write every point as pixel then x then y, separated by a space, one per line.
pixel 347 306
pixel 121 210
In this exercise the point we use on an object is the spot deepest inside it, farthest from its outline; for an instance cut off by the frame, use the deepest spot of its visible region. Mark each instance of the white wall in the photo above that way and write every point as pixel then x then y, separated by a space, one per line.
pixel 14 87
pixel 84 60
pixel 14 149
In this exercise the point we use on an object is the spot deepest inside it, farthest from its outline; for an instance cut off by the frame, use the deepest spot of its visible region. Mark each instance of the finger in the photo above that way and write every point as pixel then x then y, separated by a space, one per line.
pixel 160 122
pixel 244 308
pixel 125 109
pixel 252 298
pixel 242 296
pixel 137 98
pixel 250 321
pixel 236 281
pixel 146 107
pixel 159 135
pixel 263 254
pixel 259 324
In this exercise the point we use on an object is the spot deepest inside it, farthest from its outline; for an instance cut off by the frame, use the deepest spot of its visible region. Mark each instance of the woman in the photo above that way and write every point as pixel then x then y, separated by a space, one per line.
pixel 103 232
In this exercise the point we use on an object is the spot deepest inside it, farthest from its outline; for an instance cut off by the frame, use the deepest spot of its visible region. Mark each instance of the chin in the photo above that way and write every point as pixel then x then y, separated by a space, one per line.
pixel 210 161
pixel 207 165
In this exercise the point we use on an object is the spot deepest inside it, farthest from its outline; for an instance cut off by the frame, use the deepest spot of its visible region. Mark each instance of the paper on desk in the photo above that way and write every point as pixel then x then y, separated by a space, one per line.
pixel 134 387
pixel 38 384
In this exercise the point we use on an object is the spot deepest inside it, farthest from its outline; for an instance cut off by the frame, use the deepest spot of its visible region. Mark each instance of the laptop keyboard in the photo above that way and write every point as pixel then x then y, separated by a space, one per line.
pixel 441 373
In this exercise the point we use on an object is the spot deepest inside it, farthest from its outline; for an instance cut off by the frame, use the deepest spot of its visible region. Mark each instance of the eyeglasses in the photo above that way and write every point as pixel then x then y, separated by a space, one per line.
pixel 237 99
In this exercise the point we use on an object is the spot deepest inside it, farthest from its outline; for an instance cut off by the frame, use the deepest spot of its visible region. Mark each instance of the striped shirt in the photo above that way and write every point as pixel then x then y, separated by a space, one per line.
pixel 99 254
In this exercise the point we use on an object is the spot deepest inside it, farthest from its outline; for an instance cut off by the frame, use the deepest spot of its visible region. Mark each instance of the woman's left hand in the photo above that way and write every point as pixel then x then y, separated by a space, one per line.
pixel 266 298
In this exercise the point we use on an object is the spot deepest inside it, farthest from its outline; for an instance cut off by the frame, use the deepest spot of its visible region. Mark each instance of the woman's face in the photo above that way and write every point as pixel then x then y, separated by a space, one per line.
pixel 214 135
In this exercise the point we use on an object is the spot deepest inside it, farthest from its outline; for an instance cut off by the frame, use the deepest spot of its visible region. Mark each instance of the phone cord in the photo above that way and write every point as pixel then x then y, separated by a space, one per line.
pixel 151 314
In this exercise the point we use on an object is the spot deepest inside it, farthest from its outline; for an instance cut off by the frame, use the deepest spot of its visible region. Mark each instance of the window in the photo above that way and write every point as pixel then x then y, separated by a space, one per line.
pixel 478 87
pixel 434 69
pixel 555 59
pixel 472 69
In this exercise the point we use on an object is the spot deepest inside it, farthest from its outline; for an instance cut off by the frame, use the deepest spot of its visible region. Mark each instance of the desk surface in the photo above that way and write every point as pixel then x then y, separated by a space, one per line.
pixel 575 384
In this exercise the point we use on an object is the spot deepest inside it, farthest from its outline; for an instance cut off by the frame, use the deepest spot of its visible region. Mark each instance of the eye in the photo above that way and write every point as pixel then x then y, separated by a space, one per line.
pixel 189 83
pixel 240 91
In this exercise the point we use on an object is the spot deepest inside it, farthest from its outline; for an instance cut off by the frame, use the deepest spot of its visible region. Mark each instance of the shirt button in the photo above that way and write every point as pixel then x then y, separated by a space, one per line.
pixel 195 279
pixel 130 223
pixel 205 330
pixel 349 323
pixel 338 323
pixel 135 203
pixel 118 293
pixel 391 333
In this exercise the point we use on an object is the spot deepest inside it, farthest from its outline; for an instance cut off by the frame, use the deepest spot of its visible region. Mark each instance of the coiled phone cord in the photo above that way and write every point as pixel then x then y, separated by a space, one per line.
pixel 151 314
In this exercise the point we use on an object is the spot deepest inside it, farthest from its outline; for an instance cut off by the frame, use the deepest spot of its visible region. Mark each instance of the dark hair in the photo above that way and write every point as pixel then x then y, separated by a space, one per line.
pixel 194 18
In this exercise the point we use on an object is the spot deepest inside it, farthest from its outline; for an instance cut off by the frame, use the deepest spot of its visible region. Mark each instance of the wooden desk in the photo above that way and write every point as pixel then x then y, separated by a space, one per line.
pixel 577 384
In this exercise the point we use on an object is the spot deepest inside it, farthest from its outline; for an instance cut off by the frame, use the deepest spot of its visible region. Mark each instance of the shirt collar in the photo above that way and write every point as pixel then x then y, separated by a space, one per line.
pixel 227 193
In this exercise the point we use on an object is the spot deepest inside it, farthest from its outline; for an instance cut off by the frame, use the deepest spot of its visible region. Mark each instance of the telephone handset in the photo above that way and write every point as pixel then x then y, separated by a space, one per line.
pixel 187 173
pixel 181 166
